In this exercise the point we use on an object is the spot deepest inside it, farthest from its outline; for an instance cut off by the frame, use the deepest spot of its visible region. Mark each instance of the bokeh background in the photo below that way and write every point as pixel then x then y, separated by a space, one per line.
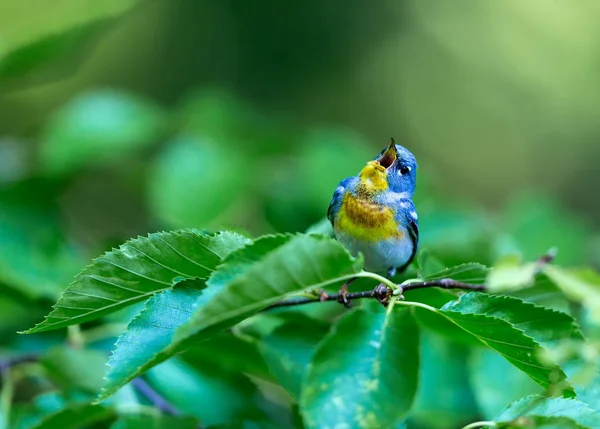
pixel 123 117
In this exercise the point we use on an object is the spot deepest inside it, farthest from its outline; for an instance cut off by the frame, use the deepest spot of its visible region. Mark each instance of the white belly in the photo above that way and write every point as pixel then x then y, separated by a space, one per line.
pixel 382 255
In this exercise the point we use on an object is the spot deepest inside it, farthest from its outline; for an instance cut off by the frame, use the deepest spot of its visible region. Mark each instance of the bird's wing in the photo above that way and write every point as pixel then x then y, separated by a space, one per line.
pixel 407 218
pixel 336 200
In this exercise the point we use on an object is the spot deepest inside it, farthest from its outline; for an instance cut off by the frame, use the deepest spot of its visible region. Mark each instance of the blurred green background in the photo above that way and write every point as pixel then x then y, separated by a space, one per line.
pixel 123 117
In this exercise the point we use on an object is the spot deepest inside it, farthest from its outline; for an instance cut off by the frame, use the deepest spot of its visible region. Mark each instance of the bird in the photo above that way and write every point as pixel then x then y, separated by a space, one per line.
pixel 373 213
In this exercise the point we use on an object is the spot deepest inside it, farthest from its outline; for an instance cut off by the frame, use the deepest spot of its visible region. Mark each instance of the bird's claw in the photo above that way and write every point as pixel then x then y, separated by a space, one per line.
pixel 343 296
pixel 383 294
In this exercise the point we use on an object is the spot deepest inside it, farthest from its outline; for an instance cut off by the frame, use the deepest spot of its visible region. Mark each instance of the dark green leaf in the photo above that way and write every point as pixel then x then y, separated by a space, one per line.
pixel 364 373
pixel 76 416
pixel 304 262
pixel 444 397
pixel 551 407
pixel 289 349
pixel 206 391
pixel 490 374
pixel 65 367
pixel 137 270
pixel 509 326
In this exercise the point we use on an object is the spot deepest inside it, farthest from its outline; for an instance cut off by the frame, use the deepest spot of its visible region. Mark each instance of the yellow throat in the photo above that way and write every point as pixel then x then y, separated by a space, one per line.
pixel 372 179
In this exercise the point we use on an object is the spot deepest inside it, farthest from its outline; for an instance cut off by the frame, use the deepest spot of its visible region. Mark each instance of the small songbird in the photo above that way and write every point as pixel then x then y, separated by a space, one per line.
pixel 373 213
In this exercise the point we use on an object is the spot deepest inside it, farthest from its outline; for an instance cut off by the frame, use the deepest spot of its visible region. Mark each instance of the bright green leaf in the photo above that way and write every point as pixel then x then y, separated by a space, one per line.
pixel 537 405
pixel 364 373
pixel 65 367
pixel 510 274
pixel 580 286
pixel 541 422
pixel 468 273
pixel 138 269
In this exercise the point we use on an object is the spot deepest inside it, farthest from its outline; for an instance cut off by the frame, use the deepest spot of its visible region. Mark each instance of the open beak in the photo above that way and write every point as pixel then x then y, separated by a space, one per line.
pixel 389 156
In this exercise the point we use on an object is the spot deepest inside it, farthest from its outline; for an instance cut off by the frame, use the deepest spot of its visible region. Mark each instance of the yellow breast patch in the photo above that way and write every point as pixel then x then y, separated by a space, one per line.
pixel 366 221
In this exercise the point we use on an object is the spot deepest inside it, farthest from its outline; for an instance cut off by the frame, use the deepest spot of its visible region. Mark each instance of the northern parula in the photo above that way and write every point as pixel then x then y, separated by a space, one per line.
pixel 373 212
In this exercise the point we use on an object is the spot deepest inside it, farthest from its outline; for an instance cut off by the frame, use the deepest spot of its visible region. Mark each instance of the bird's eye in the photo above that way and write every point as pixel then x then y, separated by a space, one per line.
pixel 404 170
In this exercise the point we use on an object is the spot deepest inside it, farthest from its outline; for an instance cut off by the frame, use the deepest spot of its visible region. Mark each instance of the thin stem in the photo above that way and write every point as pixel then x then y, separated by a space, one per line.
pixel 441 283
pixel 154 397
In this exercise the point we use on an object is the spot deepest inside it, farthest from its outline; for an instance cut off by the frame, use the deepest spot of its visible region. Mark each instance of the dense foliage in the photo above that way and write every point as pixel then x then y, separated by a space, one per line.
pixel 178 328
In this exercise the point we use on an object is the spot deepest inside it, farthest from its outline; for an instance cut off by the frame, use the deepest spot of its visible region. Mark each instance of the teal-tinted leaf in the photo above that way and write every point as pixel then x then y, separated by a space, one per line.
pixel 289 349
pixel 206 391
pixel 76 416
pixel 580 286
pixel 444 397
pixel 139 347
pixel 536 405
pixel 145 342
pixel 322 227
pixel 98 127
pixel 364 373
pixel 196 179
pixel 304 262
pixel 490 373
pixel 151 421
pixel 134 272
pixel 515 329
pixel 468 273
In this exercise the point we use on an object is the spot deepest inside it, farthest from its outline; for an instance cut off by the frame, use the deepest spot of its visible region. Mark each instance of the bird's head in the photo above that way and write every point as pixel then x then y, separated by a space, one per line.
pixel 394 169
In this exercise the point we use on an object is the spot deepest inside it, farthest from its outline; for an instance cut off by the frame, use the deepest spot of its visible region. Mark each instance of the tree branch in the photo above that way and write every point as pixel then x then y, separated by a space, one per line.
pixel 381 292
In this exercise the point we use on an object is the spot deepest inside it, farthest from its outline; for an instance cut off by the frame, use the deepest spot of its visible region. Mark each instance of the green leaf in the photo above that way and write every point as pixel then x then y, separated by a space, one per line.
pixel 544 293
pixel 206 391
pixel 444 397
pixel 75 416
pixel 151 421
pixel 516 330
pixel 511 274
pixel 537 405
pixel 146 341
pixel 580 286
pixel 98 127
pixel 304 262
pixel 181 186
pixel 468 273
pixel 364 373
pixel 137 270
pixel 541 422
pixel 289 349
pixel 490 373
pixel 65 367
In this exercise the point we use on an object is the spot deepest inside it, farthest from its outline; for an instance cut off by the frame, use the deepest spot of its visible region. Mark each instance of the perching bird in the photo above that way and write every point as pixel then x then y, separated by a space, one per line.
pixel 373 213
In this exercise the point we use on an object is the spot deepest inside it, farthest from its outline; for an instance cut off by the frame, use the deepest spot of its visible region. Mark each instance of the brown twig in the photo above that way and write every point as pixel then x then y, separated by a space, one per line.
pixel 381 292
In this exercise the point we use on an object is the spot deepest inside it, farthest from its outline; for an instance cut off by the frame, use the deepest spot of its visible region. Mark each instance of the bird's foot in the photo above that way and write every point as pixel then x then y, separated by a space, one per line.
pixel 382 293
pixel 343 296
pixel 323 296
